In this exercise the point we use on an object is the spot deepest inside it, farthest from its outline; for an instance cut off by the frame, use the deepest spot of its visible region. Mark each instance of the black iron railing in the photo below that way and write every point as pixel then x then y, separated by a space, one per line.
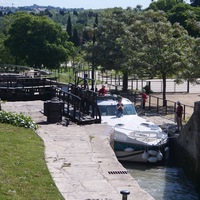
pixel 79 104
pixel 155 104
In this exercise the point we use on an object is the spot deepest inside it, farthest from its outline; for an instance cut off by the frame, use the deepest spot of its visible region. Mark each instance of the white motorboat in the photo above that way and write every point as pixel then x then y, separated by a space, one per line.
pixel 135 138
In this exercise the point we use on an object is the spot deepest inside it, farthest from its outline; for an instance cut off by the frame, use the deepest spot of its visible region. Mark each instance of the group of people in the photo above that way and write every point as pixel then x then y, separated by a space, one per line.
pixel 178 113
pixel 120 106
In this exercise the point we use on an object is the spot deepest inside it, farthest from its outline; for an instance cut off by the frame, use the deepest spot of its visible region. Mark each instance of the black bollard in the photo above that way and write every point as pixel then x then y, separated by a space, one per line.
pixel 125 194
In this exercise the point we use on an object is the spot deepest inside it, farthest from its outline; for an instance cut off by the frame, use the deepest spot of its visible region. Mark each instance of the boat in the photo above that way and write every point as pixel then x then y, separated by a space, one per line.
pixel 135 138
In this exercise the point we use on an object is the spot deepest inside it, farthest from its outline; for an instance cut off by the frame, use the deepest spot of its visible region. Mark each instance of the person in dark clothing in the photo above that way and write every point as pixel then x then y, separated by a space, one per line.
pixel 143 100
pixel 120 108
pixel 179 113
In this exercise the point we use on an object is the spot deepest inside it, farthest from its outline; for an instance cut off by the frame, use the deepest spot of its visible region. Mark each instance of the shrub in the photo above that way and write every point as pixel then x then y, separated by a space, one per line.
pixel 147 89
pixel 19 120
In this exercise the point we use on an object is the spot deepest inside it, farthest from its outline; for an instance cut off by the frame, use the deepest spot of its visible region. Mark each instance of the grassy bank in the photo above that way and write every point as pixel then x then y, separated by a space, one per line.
pixel 23 171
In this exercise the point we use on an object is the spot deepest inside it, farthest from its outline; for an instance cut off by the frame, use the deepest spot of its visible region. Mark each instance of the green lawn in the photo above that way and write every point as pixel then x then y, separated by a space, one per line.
pixel 23 171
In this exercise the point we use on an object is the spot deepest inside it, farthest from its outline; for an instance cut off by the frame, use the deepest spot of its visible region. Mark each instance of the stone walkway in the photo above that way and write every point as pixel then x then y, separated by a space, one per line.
pixel 80 158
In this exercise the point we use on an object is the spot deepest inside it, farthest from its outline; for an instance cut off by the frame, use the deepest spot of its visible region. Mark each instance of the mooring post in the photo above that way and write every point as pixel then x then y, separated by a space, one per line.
pixel 125 194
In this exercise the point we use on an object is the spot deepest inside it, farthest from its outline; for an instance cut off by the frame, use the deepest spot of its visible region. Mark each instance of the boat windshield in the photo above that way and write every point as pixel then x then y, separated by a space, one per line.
pixel 110 110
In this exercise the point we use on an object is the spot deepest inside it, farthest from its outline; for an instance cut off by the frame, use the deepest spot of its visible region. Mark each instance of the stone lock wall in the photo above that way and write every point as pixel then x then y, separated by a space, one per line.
pixel 189 145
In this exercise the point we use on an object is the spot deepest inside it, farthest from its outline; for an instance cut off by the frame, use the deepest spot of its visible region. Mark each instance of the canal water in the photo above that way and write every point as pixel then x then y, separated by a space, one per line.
pixel 163 182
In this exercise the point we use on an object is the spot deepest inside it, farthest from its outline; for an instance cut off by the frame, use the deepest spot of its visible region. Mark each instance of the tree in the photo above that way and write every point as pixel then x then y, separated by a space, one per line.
pixel 83 18
pixel 95 26
pixel 187 16
pixel 75 38
pixel 69 28
pixel 164 5
pixel 192 73
pixel 38 41
pixel 48 13
pixel 195 3
pixel 85 36
pixel 106 52
pixel 75 12
pixel 181 12
pixel 62 12
pixel 157 48
pixel 6 22
pixel 5 56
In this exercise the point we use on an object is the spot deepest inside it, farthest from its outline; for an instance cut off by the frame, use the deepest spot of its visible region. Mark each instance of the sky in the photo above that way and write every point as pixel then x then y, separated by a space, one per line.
pixel 86 4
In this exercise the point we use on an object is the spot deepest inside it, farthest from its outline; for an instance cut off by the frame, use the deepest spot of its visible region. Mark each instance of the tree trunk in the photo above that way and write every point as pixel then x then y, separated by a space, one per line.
pixel 16 60
pixel 125 81
pixel 164 89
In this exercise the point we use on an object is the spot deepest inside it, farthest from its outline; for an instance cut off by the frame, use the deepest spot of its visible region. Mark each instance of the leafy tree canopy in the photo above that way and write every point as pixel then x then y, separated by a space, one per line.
pixel 187 16
pixel 164 5
pixel 5 56
pixel 142 43
pixel 106 51
pixel 5 23
pixel 38 41
pixel 157 48
pixel 179 11
pixel 195 2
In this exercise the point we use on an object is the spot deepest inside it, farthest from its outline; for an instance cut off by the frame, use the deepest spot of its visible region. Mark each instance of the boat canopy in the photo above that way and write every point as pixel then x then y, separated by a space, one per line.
pixel 110 110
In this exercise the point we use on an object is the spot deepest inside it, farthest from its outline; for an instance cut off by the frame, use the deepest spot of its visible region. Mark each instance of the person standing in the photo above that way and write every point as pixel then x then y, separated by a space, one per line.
pixel 120 108
pixel 179 113
pixel 143 100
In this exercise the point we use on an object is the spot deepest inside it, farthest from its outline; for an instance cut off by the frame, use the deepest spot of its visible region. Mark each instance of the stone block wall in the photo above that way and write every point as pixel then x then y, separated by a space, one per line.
pixel 189 145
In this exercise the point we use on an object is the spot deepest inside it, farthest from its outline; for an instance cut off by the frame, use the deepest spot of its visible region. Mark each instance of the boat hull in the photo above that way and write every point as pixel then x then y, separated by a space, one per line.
pixel 140 153
pixel 134 156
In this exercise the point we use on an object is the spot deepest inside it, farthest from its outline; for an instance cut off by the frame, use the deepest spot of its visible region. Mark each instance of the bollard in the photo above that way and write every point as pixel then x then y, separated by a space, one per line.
pixel 125 194
pixel 0 104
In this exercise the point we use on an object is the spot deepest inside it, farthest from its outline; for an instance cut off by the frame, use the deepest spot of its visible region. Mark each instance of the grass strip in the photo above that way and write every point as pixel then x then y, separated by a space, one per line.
pixel 23 170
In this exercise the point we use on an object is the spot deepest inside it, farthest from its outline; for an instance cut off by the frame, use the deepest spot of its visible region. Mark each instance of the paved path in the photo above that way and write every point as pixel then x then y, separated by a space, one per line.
pixel 80 159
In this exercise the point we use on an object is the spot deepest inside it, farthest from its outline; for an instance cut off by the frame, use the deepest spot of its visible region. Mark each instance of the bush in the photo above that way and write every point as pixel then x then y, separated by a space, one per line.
pixel 147 89
pixel 17 120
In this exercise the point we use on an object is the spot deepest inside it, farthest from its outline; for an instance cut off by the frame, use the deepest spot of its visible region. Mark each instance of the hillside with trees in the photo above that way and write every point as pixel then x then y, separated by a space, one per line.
pixel 161 41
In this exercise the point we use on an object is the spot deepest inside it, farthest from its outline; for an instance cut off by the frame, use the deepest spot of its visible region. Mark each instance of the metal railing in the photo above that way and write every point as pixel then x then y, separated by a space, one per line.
pixel 115 80
pixel 155 104
pixel 79 103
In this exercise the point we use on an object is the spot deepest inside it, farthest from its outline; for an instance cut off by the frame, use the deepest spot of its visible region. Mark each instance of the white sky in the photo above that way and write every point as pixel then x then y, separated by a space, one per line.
pixel 87 4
